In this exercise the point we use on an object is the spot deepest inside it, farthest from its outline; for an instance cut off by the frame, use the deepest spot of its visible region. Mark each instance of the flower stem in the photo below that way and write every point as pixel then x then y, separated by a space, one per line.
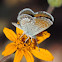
pixel 5 58
pixel 50 9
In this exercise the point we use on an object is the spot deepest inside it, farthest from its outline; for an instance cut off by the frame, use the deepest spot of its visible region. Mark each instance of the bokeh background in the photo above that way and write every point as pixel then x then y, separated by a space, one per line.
pixel 9 10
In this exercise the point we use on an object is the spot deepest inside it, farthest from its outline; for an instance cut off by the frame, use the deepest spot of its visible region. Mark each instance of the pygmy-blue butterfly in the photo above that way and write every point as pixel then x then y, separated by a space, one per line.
pixel 32 23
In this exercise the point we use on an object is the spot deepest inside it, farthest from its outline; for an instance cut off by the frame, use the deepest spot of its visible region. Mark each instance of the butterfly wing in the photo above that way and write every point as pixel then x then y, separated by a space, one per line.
pixel 25 18
pixel 26 11
pixel 42 24
pixel 44 14
pixel 16 25
pixel 43 21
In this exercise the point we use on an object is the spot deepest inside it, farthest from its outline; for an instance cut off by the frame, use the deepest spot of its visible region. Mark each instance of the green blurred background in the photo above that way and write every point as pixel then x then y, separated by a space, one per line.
pixel 9 10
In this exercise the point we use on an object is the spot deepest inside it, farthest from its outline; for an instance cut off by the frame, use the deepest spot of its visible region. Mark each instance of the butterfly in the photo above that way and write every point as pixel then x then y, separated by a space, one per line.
pixel 32 23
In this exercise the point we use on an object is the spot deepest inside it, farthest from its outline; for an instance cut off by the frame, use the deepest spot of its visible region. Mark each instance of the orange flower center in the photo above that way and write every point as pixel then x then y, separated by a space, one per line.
pixel 20 42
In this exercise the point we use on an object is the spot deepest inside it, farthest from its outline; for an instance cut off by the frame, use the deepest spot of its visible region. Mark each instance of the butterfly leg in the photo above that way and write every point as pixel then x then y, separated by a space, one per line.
pixel 36 42
pixel 37 45
pixel 31 39
pixel 26 39
pixel 22 35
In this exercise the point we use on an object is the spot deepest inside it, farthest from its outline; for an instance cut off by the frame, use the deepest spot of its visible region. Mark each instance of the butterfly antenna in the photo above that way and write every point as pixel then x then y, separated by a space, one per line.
pixel 37 45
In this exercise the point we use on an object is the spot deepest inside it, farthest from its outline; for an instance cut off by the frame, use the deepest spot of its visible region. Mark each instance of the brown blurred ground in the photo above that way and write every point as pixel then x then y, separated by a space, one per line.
pixel 9 10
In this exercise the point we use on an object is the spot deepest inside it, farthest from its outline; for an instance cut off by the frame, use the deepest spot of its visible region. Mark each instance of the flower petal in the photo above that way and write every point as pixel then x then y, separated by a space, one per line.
pixel 42 54
pixel 10 34
pixel 28 56
pixel 44 36
pixel 10 48
pixel 19 31
pixel 18 56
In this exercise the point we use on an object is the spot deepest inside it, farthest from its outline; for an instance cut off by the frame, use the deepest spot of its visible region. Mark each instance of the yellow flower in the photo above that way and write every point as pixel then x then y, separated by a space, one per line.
pixel 27 49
